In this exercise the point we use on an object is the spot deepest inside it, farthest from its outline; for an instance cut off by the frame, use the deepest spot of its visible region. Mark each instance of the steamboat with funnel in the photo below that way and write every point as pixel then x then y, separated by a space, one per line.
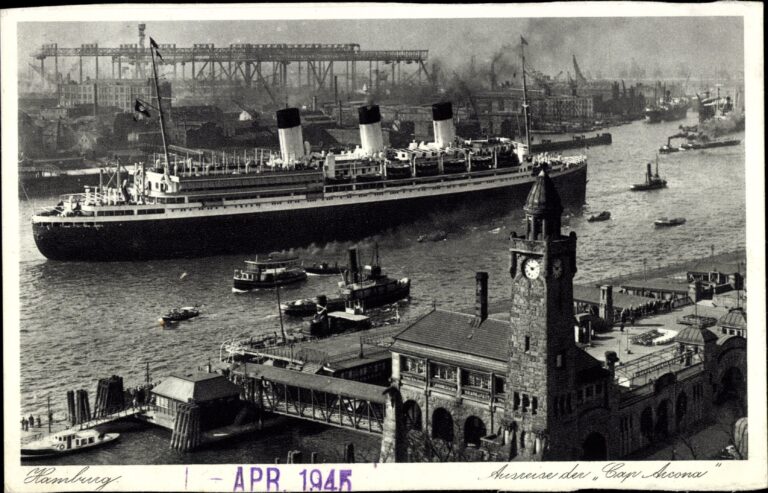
pixel 189 208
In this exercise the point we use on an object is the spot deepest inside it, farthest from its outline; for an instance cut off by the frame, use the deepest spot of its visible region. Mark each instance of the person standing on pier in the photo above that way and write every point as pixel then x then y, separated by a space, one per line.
pixel 39 423
pixel 23 424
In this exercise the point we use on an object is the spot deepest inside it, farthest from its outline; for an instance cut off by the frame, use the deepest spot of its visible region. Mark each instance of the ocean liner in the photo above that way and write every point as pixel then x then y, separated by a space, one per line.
pixel 189 208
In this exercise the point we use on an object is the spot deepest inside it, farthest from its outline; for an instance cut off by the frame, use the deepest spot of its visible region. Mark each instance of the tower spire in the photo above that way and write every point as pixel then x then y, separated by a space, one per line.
pixel 543 209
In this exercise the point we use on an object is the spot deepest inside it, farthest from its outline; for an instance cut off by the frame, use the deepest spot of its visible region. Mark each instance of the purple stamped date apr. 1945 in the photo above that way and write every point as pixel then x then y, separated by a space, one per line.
pixel 268 479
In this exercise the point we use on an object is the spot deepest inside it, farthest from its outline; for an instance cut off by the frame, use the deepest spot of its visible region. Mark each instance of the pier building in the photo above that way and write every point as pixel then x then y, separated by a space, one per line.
pixel 216 397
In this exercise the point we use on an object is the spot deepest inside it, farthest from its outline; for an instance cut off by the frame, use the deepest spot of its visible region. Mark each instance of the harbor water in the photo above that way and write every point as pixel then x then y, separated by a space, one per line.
pixel 83 321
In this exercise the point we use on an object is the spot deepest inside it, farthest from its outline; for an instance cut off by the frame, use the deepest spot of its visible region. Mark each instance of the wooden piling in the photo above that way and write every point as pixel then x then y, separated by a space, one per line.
pixel 71 407
pixel 80 414
pixel 186 429
pixel 314 458
pixel 86 406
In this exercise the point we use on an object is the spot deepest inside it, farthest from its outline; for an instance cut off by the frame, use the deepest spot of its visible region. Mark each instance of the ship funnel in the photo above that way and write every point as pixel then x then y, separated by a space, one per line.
pixel 442 122
pixel 291 138
pixel 353 267
pixel 371 139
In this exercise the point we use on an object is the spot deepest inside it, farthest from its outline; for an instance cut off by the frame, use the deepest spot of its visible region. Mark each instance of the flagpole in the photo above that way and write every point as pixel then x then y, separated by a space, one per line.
pixel 160 109
pixel 525 98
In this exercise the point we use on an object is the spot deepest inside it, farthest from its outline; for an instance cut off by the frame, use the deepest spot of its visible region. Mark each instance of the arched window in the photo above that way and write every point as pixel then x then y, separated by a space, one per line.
pixel 442 424
pixel 474 430
pixel 594 447
pixel 412 413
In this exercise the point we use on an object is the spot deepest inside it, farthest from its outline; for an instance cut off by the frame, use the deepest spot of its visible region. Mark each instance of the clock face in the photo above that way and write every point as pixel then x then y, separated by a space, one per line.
pixel 531 268
pixel 557 268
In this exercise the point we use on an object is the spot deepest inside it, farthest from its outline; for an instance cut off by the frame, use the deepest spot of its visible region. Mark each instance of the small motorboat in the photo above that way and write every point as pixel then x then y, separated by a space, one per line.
pixel 308 307
pixel 667 149
pixel 436 236
pixel 603 216
pixel 665 222
pixel 323 269
pixel 179 314
pixel 66 442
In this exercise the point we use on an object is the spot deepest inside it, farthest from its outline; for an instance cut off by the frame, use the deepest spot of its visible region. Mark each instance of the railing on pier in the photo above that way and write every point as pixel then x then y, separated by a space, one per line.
pixel 332 401
pixel 108 418
pixel 651 366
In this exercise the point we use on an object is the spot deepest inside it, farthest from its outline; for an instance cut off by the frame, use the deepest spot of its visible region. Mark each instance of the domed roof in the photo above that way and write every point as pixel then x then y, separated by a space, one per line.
pixel 735 318
pixel 695 335
pixel 543 197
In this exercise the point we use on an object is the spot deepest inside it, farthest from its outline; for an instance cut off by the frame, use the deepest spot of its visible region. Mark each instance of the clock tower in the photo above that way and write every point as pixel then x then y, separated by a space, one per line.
pixel 542 355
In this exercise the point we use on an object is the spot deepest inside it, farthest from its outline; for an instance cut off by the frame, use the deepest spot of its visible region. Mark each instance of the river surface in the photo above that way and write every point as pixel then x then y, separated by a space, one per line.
pixel 83 321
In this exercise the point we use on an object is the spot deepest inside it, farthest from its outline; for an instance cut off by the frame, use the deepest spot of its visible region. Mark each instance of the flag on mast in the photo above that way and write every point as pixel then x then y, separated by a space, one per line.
pixel 140 108
pixel 522 40
pixel 154 46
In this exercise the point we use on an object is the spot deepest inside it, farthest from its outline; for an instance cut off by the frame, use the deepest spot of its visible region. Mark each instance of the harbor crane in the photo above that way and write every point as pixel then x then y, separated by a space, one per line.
pixel 579 76
pixel 541 80
pixel 250 111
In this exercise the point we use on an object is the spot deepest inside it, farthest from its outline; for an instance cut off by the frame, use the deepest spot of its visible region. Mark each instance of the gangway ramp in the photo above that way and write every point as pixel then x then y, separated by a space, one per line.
pixel 124 413
pixel 333 401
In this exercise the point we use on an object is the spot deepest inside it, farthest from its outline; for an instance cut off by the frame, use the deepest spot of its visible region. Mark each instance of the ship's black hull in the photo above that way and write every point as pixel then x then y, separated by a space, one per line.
pixel 559 145
pixel 269 231
pixel 672 114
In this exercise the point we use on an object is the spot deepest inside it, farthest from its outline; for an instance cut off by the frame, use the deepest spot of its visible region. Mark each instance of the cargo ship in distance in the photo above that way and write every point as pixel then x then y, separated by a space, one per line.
pixel 667 109
pixel 191 209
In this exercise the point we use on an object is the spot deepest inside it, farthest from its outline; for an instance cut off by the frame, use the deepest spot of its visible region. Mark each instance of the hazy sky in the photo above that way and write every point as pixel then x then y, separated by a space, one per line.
pixel 703 43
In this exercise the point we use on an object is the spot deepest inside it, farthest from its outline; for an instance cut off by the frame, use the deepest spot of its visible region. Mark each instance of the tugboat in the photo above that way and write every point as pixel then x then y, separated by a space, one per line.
pixel 323 269
pixel 603 216
pixel 179 314
pixel 652 181
pixel 359 290
pixel 665 223
pixel 66 442
pixel 371 288
pixel 276 270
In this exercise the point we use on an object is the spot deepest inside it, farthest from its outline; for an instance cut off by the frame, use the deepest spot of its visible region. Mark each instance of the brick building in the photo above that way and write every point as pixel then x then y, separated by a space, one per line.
pixel 120 93
pixel 521 389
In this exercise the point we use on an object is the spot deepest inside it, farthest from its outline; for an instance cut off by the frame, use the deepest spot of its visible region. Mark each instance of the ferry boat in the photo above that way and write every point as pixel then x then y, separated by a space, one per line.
pixel 276 270
pixel 190 206
pixel 66 442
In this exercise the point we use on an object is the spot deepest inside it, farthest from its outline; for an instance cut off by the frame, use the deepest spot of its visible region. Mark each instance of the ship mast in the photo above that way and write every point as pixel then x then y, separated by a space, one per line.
pixel 159 108
pixel 526 117
pixel 280 313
